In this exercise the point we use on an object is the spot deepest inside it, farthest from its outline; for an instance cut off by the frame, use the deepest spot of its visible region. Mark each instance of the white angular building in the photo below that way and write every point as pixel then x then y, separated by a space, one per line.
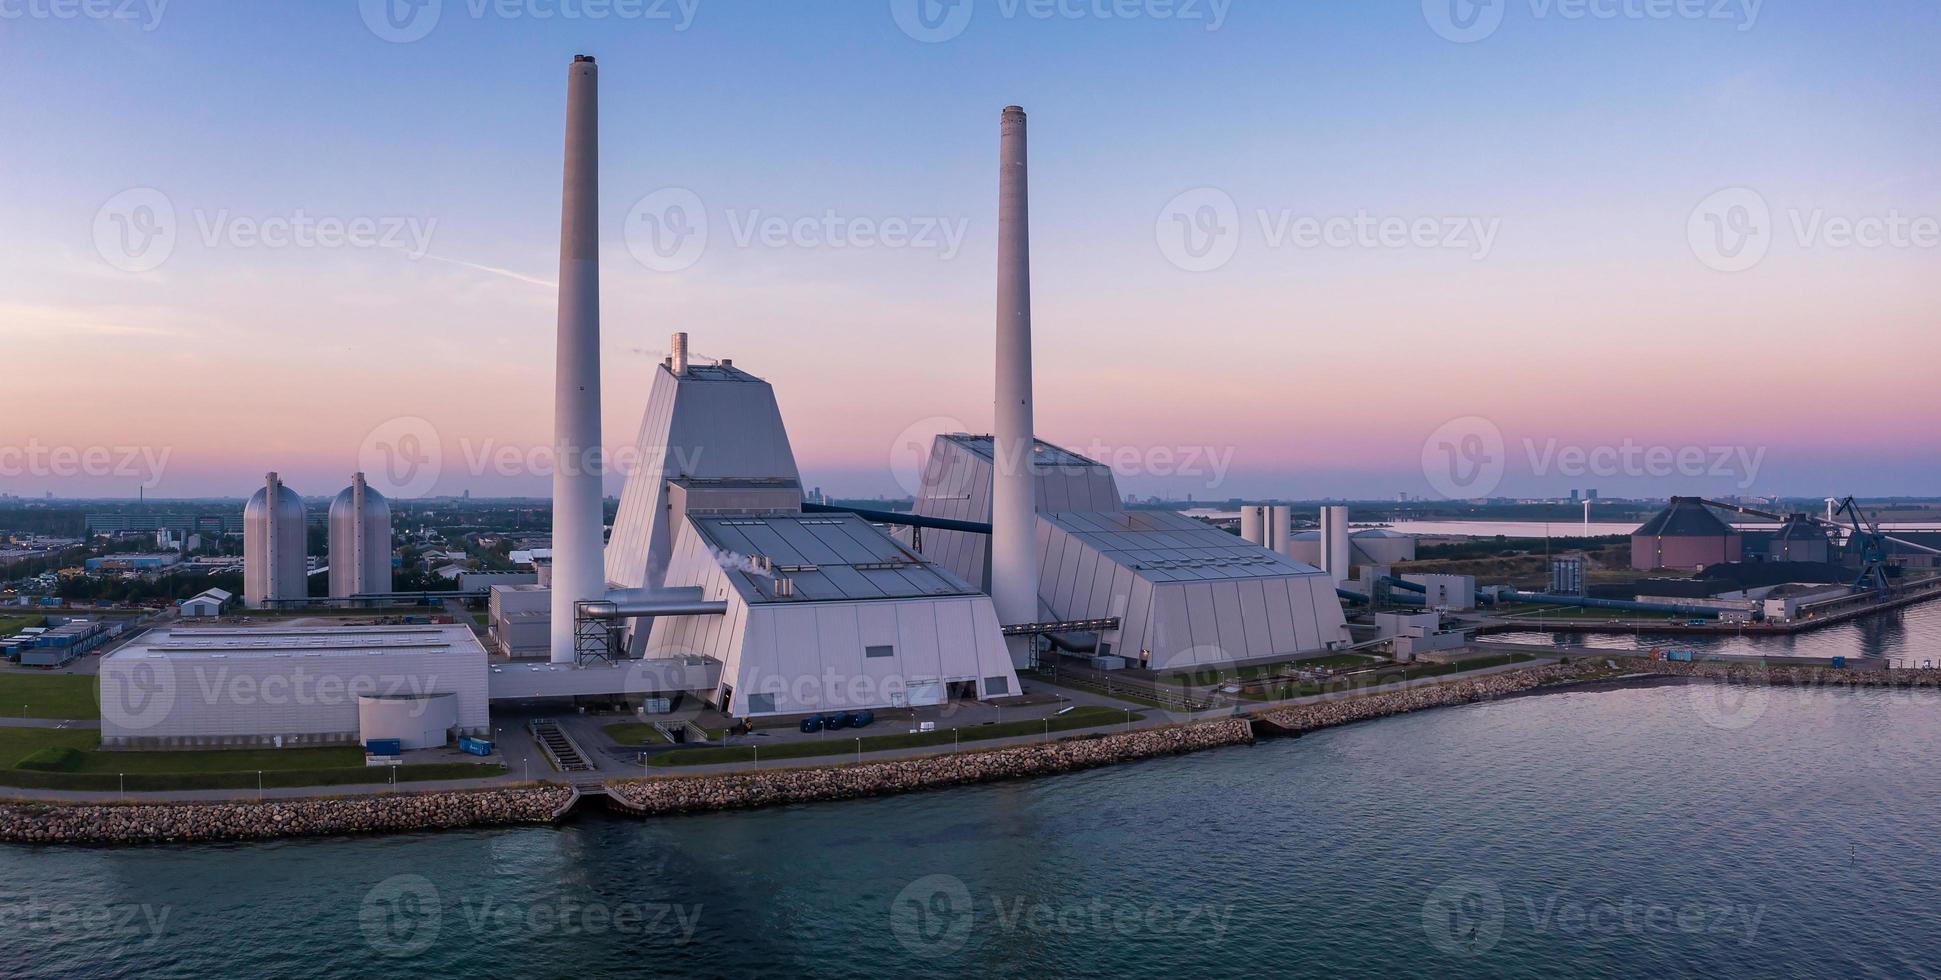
pixel 823 611
pixel 1185 593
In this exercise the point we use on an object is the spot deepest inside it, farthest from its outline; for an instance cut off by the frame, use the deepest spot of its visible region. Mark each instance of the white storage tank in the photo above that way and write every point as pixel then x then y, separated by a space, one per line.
pixel 275 545
pixel 360 541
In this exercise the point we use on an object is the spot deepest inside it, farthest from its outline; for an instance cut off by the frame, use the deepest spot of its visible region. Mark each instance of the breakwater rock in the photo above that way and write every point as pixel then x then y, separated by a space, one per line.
pixel 146 823
pixel 778 786
pixel 1353 708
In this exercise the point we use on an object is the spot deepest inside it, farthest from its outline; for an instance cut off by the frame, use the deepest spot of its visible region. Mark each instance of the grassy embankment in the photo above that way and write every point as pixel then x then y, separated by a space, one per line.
pixel 841 743
pixel 72 758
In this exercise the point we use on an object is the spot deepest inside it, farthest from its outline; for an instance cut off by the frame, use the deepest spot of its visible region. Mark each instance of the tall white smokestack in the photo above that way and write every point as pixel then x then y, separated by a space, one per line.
pixel 1014 509
pixel 578 564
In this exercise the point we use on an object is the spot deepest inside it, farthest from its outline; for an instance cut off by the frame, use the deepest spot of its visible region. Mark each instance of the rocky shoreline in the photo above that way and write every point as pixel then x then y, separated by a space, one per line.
pixel 179 823
pixel 655 797
pixel 1347 710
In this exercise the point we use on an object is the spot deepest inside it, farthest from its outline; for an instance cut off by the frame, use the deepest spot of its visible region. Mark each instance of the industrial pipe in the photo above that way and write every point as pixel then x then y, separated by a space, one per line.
pixel 1670 609
pixel 900 519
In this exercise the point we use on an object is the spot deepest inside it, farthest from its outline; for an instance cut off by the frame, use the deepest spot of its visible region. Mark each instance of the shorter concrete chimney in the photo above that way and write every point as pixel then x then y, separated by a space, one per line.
pixel 677 346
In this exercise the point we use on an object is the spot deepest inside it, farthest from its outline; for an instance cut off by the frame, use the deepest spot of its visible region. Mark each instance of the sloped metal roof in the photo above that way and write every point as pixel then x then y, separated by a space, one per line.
pixel 1164 546
pixel 1685 517
pixel 825 557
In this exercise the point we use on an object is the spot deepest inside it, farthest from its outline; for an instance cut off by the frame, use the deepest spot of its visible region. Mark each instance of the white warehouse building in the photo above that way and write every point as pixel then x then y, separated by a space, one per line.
pixel 303 686
pixel 1185 593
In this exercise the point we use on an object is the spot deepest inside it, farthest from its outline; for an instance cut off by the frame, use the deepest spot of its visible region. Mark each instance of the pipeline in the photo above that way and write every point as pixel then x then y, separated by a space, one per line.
pixel 904 520
pixel 1397 583
pixel 1587 602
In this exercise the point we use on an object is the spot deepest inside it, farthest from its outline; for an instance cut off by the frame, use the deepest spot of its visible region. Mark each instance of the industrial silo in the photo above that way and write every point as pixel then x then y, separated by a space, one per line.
pixel 1800 539
pixel 360 541
pixel 275 545
pixel 1684 535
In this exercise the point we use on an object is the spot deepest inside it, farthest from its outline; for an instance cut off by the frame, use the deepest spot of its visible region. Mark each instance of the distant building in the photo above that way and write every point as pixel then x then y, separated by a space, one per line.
pixel 1685 535
pixel 208 603
pixel 131 563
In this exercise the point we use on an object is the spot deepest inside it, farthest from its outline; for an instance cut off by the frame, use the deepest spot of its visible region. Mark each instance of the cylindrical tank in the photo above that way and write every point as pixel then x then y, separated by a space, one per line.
pixel 275 545
pixel 1253 524
pixel 360 541
pixel 1280 527
pixel 1337 555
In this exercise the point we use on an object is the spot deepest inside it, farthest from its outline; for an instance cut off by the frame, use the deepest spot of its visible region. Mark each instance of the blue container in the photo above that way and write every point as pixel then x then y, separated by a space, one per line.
pixel 835 722
pixel 812 724
pixel 1839 661
pixel 384 746
pixel 862 719
pixel 475 746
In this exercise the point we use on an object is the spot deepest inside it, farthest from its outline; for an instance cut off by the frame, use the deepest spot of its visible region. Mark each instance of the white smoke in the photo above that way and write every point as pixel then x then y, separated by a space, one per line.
pixel 735 562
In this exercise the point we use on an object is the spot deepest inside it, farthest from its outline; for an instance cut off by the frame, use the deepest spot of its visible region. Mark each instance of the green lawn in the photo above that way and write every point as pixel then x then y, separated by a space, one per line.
pixel 9 625
pixel 94 769
pixel 1409 672
pixel 44 695
pixel 634 733
pixel 842 743
pixel 1209 676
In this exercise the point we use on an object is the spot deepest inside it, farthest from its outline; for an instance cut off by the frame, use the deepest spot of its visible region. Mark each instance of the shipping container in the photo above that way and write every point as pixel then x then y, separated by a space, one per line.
pixel 475 746
pixel 384 746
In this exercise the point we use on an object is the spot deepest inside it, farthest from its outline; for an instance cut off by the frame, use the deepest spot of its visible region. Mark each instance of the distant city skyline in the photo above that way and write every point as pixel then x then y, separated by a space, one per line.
pixel 1301 269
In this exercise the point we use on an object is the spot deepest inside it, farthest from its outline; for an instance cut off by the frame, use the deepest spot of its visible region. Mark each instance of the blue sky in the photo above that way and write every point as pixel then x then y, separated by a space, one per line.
pixel 1586 141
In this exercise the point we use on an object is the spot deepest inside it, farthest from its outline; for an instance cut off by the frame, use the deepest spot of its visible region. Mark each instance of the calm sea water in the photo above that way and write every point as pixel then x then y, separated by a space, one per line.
pixel 1617 833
